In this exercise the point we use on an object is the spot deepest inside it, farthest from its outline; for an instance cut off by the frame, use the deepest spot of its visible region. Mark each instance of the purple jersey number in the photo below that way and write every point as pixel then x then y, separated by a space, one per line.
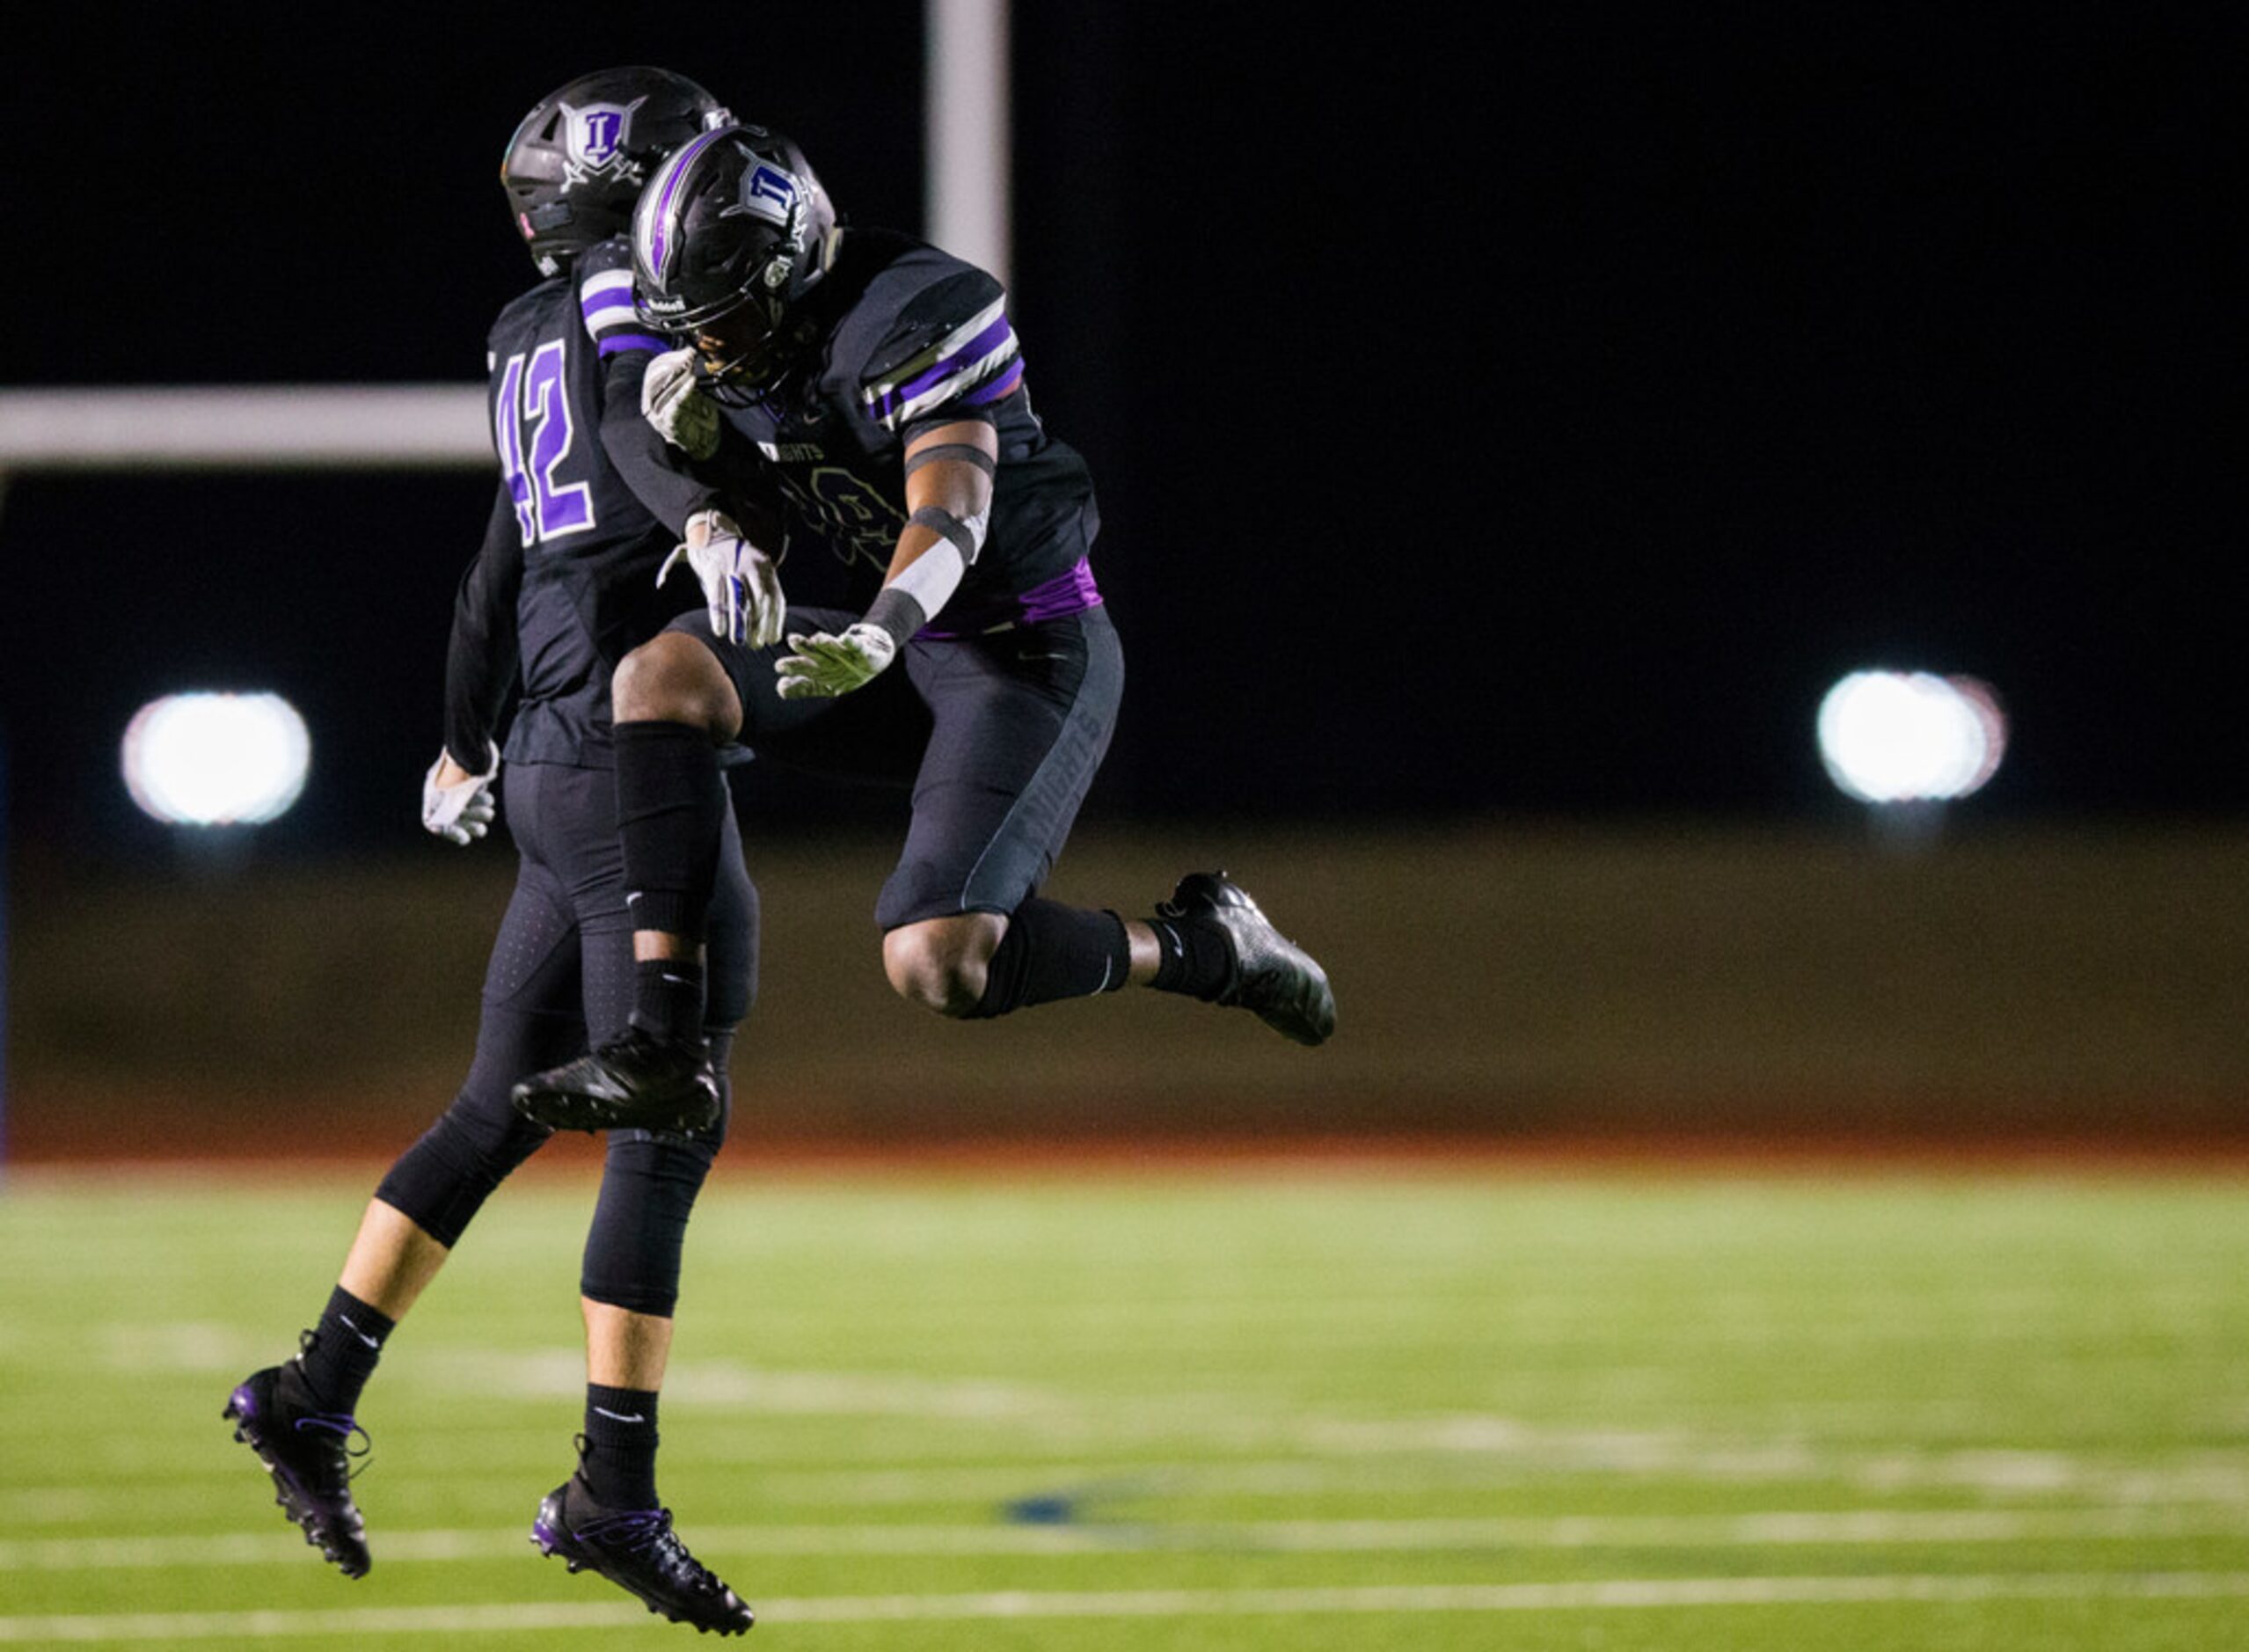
pixel 546 508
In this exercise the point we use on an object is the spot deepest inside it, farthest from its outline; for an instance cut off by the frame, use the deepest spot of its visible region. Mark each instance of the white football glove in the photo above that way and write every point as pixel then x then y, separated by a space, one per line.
pixel 462 812
pixel 741 585
pixel 822 667
pixel 672 401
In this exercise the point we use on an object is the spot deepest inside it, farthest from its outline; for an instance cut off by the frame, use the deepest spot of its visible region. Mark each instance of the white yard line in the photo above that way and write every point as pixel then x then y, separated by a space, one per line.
pixel 1622 1594
pixel 1460 1455
pixel 1066 1421
pixel 1843 1529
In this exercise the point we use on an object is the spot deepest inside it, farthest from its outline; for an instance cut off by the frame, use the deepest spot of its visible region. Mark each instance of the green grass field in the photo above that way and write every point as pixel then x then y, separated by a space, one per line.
pixel 1242 1408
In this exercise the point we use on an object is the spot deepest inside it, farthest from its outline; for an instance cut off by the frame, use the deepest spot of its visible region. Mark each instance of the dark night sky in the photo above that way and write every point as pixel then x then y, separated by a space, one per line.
pixel 1528 416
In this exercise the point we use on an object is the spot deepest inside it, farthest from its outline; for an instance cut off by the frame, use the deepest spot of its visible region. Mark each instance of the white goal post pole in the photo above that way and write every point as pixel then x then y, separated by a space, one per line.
pixel 968 119
pixel 264 426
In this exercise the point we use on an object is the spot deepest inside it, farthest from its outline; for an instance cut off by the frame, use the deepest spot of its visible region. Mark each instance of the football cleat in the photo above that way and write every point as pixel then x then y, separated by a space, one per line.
pixel 634 1082
pixel 638 1552
pixel 306 1452
pixel 1275 979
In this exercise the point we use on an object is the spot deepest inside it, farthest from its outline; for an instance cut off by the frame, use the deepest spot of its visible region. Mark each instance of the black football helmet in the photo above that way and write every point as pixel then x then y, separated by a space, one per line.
pixel 577 162
pixel 730 234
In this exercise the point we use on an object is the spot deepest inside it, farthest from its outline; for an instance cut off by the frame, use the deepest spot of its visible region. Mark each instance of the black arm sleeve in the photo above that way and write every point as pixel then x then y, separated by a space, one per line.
pixel 481 658
pixel 659 475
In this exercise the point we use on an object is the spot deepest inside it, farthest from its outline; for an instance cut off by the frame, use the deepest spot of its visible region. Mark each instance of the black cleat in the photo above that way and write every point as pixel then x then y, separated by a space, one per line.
pixel 305 1449
pixel 1274 978
pixel 638 1552
pixel 634 1082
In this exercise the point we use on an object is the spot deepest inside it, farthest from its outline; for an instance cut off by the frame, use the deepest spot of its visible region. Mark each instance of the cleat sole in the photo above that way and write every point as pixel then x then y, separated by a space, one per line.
pixel 561 1111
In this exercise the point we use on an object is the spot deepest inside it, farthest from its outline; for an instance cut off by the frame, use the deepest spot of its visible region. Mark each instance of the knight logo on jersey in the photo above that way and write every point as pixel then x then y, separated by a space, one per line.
pixel 596 138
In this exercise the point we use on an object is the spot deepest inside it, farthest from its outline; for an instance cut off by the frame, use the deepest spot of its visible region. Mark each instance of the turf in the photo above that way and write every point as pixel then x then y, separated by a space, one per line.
pixel 1243 1409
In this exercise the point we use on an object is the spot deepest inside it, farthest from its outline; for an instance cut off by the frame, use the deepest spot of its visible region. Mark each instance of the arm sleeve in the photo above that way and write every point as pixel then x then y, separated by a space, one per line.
pixel 657 473
pixel 481 656
pixel 672 486
pixel 661 476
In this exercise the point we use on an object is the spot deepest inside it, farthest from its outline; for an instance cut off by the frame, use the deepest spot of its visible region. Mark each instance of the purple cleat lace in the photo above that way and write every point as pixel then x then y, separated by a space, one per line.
pixel 307 1454
pixel 638 1551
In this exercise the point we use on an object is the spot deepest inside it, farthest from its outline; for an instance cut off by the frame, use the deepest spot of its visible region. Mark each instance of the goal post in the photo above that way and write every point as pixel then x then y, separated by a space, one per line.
pixel 365 427
pixel 425 426
pixel 262 426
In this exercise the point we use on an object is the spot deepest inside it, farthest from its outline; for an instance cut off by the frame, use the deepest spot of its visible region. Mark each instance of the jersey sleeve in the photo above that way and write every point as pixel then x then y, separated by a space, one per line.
pixel 604 277
pixel 657 474
pixel 482 655
pixel 952 352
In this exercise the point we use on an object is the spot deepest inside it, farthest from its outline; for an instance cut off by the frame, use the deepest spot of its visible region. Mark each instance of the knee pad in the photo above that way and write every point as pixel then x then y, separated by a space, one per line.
pixel 443 1181
pixel 640 1227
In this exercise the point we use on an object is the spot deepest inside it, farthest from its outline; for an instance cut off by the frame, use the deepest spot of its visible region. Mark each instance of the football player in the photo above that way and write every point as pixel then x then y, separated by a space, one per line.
pixel 859 393
pixel 564 588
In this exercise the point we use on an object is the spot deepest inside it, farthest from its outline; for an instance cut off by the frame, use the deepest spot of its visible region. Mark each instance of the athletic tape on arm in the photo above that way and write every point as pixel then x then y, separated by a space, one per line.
pixel 965 453
pixel 967 533
pixel 930 579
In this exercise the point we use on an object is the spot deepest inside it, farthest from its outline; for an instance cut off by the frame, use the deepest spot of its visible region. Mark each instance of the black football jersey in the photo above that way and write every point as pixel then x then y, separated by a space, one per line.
pixel 565 586
pixel 909 336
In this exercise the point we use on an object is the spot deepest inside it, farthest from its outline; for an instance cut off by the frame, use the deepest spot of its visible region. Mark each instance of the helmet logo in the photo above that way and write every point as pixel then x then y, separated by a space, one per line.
pixel 767 193
pixel 770 194
pixel 596 143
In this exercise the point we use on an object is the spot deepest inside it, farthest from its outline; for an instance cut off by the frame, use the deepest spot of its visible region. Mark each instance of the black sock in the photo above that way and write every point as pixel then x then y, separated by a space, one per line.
pixel 671 813
pixel 342 1350
pixel 618 1460
pixel 667 998
pixel 1051 950
pixel 1195 957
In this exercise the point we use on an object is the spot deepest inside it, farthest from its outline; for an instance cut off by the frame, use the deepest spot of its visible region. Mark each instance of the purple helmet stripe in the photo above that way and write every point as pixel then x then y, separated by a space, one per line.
pixel 667 186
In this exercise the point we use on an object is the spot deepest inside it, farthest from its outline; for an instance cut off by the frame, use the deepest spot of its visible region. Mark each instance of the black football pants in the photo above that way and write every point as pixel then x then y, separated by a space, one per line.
pixel 560 980
pixel 1000 735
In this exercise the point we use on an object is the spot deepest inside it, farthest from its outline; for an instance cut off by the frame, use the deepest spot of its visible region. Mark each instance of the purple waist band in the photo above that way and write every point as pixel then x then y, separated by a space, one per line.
pixel 1070 593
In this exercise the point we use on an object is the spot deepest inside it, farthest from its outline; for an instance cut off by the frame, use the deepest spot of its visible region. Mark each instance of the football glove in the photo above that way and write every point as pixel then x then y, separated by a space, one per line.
pixel 672 401
pixel 462 812
pixel 820 666
pixel 741 585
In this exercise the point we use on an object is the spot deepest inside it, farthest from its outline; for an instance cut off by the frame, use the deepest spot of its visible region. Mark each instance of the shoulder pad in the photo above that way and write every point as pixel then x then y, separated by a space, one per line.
pixel 952 343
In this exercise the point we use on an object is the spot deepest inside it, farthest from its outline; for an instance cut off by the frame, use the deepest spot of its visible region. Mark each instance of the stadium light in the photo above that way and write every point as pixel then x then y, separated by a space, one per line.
pixel 1907 743
pixel 210 759
pixel 1911 736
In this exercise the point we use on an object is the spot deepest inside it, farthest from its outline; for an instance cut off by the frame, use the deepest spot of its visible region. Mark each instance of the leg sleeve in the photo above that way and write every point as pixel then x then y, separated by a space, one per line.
pixel 530 1020
pixel 650 1179
pixel 638 1235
